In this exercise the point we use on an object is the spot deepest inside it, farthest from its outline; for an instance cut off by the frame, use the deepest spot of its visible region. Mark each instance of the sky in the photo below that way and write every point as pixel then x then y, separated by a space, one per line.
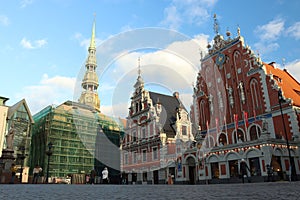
pixel 43 45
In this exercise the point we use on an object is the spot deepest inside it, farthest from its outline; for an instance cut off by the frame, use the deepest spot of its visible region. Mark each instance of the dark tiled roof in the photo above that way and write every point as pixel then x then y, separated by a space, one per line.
pixel 169 106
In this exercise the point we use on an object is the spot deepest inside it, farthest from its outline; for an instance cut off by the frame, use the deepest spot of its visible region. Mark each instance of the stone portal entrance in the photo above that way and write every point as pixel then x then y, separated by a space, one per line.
pixel 192 170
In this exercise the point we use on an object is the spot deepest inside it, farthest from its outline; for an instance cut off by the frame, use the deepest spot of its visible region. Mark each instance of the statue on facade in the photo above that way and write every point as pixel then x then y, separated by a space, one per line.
pixel 10 137
pixel 264 125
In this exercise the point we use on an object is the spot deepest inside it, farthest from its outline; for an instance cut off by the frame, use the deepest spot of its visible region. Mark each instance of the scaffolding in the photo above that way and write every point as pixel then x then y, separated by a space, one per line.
pixel 73 129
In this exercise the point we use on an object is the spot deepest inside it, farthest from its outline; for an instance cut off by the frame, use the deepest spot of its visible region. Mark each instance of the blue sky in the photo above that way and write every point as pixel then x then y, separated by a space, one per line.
pixel 44 44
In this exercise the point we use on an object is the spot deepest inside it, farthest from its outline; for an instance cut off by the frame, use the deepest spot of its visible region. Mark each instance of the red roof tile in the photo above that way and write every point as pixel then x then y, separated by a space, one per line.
pixel 289 85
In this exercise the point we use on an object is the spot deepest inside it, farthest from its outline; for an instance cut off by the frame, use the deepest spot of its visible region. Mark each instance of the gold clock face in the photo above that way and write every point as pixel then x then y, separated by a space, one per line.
pixel 89 99
pixel 220 59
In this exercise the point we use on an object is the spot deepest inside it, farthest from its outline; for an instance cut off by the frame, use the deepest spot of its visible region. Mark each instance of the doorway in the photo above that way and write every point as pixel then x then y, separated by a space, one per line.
pixel 192 170
pixel 155 177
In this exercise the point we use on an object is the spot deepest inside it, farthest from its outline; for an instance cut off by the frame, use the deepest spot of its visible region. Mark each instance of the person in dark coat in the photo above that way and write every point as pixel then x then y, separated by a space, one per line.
pixel 92 176
pixel 243 170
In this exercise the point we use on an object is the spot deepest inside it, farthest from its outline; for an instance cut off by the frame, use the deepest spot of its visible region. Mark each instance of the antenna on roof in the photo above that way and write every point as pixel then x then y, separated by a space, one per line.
pixel 283 64
pixel 139 66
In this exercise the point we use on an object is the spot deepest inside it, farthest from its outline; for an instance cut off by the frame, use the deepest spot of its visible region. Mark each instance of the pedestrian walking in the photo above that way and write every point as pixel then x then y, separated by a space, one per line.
pixel 105 179
pixel 87 179
pixel 13 170
pixel 243 170
pixel 37 170
pixel 170 180
pixel 270 173
pixel 92 176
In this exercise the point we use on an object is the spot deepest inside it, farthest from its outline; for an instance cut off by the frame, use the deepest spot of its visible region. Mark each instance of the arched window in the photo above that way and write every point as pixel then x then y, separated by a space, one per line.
pixel 136 107
pixel 237 58
pixel 202 116
pixel 254 132
pixel 222 139
pixel 254 93
pixel 238 136
pixel 140 106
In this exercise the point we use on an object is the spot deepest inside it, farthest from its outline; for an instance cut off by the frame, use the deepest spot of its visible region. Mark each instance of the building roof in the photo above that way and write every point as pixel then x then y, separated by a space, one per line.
pixel 289 85
pixel 79 109
pixel 12 109
pixel 170 104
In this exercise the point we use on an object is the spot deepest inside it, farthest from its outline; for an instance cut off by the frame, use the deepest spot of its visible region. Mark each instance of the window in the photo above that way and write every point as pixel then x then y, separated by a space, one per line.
pixel 154 153
pixel 134 136
pixel 134 157
pixel 184 131
pixel 238 136
pixel 144 133
pixel 254 132
pixel 255 95
pixel 144 155
pixel 222 139
pixel 126 159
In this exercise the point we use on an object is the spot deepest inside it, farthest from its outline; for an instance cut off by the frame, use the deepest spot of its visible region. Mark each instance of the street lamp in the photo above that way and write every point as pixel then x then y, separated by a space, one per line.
pixel 292 172
pixel 21 156
pixel 49 153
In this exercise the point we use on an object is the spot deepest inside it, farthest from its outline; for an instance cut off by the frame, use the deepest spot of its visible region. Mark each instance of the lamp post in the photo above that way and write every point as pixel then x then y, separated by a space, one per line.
pixel 292 166
pixel 21 156
pixel 49 153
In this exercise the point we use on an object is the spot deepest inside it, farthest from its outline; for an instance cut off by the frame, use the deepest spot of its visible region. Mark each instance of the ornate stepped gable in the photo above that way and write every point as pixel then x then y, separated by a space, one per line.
pixel 164 109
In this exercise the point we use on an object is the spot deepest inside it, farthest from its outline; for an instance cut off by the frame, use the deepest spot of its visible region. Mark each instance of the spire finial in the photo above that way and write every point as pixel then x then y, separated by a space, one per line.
pixel 139 66
pixel 216 24
pixel 239 31
pixel 283 63
pixel 93 42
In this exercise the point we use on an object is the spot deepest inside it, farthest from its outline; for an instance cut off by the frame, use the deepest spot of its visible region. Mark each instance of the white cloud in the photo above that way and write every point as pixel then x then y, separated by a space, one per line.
pixel 173 18
pixel 190 11
pixel 85 42
pixel 294 30
pixel 4 20
pixel 268 35
pixel 50 90
pixel 59 82
pixel 165 71
pixel 294 69
pixel 27 44
pixel 264 48
pixel 25 3
pixel 270 31
pixel 117 110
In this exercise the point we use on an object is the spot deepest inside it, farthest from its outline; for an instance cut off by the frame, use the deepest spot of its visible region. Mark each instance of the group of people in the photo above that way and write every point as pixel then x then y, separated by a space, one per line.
pixel 91 177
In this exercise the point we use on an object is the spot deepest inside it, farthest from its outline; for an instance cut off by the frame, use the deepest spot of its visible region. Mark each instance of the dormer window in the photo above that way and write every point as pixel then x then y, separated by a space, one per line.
pixel 278 79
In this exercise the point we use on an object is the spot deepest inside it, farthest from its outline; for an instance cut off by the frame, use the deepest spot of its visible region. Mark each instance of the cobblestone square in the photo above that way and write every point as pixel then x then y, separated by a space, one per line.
pixel 273 190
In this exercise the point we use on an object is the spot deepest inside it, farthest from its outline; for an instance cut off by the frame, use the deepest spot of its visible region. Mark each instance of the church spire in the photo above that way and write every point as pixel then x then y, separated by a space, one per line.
pixel 89 94
pixel 139 85
pixel 93 42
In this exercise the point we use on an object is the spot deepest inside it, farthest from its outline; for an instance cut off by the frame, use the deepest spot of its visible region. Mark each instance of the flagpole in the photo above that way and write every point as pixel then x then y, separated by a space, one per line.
pixel 246 138
pixel 235 116
pixel 254 113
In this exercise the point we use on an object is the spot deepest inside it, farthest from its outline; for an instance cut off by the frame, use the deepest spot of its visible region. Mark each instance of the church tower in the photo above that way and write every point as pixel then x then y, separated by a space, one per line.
pixel 89 95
